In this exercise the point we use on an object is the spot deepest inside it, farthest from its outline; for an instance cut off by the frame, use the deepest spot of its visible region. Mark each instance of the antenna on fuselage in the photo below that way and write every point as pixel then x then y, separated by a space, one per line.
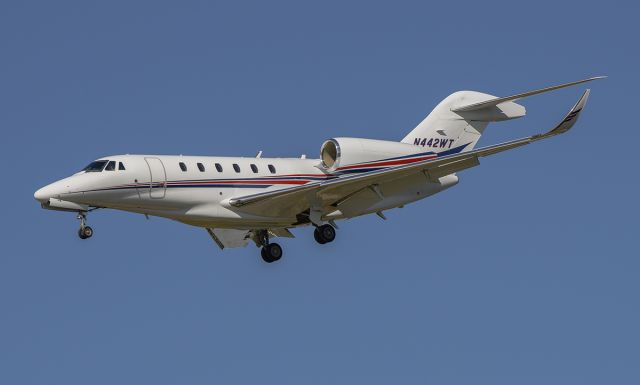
pixel 259 154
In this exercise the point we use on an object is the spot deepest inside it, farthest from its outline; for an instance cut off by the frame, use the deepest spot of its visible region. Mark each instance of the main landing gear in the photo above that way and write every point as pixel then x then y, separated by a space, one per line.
pixel 270 252
pixel 84 231
pixel 324 234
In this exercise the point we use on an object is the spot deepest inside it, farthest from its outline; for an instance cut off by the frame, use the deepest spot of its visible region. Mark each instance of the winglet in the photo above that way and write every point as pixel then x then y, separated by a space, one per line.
pixel 569 120
pixel 493 102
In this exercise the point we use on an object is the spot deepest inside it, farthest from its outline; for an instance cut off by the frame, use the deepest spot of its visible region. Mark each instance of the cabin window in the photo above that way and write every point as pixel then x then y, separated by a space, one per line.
pixel 219 167
pixel 236 167
pixel 272 169
pixel 111 166
pixel 95 166
pixel 183 166
pixel 201 167
pixel 254 168
pixel 121 166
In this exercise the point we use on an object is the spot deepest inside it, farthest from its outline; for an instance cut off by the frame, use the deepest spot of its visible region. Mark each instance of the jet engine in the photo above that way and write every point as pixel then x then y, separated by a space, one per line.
pixel 339 153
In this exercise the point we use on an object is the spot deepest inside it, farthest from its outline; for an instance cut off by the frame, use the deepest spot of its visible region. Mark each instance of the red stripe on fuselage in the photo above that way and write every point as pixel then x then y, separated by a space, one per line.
pixel 237 181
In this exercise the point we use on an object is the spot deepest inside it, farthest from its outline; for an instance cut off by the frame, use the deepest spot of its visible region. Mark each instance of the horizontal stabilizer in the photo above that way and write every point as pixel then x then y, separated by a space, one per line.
pixel 494 102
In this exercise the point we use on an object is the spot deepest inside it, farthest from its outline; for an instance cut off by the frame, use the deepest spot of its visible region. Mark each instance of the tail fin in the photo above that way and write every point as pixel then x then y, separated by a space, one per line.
pixel 461 118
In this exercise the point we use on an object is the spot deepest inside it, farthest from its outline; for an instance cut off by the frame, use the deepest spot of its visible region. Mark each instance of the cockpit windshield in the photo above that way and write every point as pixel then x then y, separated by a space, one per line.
pixel 96 166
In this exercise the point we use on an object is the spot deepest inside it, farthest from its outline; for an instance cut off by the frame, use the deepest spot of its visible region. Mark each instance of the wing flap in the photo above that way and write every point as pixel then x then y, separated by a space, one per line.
pixel 435 173
pixel 281 232
pixel 229 238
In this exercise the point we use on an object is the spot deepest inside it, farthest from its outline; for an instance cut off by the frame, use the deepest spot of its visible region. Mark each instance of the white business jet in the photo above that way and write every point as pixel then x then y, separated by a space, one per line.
pixel 240 199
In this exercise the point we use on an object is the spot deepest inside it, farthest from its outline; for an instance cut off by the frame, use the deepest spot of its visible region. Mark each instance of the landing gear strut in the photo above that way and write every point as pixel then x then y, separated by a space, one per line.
pixel 84 231
pixel 270 252
pixel 324 234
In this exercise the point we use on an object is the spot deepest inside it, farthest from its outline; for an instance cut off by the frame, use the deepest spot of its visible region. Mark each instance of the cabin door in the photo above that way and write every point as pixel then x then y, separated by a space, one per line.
pixel 158 178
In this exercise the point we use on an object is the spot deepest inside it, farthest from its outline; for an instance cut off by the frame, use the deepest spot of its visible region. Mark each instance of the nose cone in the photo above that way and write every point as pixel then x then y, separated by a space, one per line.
pixel 51 191
pixel 44 194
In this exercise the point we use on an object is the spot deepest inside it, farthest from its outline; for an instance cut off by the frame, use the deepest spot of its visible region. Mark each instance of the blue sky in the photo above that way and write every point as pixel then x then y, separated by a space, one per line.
pixel 526 272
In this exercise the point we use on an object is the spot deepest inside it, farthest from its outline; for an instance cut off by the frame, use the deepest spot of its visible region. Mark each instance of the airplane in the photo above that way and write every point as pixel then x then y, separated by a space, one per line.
pixel 239 200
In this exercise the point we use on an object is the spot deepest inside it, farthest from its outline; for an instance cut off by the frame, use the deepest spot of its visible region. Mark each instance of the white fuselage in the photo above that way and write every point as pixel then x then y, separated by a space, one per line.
pixel 193 190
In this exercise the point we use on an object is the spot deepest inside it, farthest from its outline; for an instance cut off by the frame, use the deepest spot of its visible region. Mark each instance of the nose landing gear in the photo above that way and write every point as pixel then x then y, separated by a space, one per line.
pixel 84 231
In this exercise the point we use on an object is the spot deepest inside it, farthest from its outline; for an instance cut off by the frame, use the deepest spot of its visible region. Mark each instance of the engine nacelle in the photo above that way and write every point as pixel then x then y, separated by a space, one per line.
pixel 338 153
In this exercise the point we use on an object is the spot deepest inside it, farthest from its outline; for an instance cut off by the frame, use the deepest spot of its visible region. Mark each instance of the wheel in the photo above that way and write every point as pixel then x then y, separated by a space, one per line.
pixel 275 251
pixel 81 234
pixel 318 237
pixel 86 231
pixel 327 233
pixel 271 252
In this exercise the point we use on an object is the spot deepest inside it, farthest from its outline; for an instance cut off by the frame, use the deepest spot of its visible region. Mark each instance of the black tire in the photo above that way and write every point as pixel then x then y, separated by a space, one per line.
pixel 327 233
pixel 265 256
pixel 318 237
pixel 87 232
pixel 81 234
pixel 274 251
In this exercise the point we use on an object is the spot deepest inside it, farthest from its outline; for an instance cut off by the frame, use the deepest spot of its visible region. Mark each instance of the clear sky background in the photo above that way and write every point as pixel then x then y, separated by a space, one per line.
pixel 525 273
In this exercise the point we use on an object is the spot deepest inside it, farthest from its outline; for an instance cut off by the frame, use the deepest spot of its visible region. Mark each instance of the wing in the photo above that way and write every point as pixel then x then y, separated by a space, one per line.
pixel 295 200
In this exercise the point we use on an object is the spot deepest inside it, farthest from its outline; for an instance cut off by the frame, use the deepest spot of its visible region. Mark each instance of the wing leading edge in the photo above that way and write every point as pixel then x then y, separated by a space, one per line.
pixel 297 199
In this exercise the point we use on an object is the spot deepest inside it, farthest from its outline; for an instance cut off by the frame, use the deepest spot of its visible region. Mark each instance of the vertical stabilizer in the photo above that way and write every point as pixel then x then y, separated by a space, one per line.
pixel 444 129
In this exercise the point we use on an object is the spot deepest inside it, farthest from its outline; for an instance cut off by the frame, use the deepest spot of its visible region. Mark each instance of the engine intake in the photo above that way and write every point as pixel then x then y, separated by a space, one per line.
pixel 329 153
